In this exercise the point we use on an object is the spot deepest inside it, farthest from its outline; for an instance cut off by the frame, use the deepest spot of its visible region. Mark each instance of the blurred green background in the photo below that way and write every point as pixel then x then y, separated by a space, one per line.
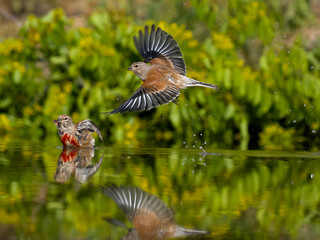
pixel 71 57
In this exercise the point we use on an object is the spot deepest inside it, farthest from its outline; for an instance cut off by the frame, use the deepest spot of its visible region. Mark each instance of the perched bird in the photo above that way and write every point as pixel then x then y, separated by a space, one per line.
pixel 76 161
pixel 151 218
pixel 76 135
pixel 163 78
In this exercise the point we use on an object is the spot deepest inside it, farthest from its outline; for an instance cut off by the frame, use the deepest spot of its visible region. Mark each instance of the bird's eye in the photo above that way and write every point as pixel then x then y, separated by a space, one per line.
pixel 135 66
pixel 65 119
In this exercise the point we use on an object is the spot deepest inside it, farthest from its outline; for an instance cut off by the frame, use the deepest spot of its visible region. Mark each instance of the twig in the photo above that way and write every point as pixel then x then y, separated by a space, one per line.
pixel 10 17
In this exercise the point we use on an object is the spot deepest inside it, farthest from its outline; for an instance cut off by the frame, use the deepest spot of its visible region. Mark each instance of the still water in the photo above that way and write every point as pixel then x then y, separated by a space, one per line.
pixel 50 193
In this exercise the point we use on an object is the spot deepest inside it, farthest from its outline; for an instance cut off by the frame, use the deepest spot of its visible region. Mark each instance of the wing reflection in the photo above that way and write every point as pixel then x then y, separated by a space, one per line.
pixel 76 161
pixel 151 218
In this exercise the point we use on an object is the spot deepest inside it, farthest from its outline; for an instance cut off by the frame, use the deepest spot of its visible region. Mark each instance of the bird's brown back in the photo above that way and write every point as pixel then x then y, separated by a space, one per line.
pixel 161 77
pixel 86 139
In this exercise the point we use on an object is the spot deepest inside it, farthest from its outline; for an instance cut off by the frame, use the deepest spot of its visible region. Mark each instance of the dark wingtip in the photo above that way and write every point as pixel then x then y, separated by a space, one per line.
pixel 146 29
pixel 109 113
pixel 116 222
pixel 100 160
pixel 101 188
pixel 101 138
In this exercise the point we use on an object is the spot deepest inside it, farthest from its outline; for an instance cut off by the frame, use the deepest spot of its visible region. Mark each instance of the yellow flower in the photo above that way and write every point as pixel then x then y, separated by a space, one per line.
pixel 34 36
pixel 188 34
pixel 37 108
pixel 248 73
pixel 15 64
pixel 240 63
pixel 315 125
pixel 262 13
pixel 193 43
pixel 22 69
pixel 229 97
pixel 9 218
pixel 127 126
pixel 76 116
pixel 285 68
pixel 247 19
pixel 222 42
pixel 10 45
pixel 167 135
pixel 59 14
pixel 130 135
pixel 197 75
pixel 234 23
pixel 180 33
pixel 67 87
pixel 5 123
pixel 85 31
pixel 107 51
pixel 254 5
pixel 28 111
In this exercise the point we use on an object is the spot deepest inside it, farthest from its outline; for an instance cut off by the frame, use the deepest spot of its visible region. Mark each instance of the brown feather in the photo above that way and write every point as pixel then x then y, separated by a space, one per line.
pixel 163 61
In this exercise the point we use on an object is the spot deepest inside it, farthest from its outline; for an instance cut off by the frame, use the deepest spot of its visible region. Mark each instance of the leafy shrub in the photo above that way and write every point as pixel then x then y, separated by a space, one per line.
pixel 56 68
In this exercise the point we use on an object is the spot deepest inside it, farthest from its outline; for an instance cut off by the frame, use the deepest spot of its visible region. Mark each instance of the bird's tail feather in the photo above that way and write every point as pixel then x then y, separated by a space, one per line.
pixel 181 231
pixel 193 83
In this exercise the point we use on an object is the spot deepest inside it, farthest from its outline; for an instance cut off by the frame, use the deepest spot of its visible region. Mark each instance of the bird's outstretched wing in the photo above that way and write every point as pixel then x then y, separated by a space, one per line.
pixel 147 97
pixel 133 200
pixel 159 47
pixel 89 126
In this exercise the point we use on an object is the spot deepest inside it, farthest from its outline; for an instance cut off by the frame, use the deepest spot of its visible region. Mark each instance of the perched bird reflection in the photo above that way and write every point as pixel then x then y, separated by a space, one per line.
pixel 76 161
pixel 163 78
pixel 76 135
pixel 151 218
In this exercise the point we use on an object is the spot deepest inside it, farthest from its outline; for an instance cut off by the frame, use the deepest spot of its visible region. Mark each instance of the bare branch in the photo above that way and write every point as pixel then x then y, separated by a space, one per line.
pixel 10 17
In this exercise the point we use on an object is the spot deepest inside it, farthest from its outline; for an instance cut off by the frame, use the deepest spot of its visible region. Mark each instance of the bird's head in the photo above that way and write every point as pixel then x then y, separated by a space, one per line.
pixel 63 123
pixel 141 69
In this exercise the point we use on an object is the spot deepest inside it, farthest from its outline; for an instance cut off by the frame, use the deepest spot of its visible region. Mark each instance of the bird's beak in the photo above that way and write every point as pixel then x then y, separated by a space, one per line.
pixel 130 68
pixel 55 122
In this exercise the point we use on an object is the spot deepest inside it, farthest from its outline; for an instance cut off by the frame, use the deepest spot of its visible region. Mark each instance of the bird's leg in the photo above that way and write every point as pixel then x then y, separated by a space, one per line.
pixel 175 101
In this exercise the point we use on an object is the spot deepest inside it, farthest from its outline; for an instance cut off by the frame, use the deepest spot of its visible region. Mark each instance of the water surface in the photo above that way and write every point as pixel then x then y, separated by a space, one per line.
pixel 48 193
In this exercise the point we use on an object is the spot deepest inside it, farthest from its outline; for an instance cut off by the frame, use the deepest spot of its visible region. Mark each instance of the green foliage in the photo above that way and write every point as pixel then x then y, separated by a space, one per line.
pixel 275 137
pixel 57 68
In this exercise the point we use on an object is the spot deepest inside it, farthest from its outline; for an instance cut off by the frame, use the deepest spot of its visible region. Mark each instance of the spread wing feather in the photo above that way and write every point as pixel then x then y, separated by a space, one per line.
pixel 90 126
pixel 133 199
pixel 159 44
pixel 146 98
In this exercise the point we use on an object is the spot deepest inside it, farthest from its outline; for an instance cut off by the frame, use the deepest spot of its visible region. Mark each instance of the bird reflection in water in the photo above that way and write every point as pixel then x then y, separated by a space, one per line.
pixel 76 161
pixel 151 218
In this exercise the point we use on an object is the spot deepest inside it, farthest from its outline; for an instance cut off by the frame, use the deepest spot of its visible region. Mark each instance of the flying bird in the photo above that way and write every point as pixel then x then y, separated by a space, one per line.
pixel 76 135
pixel 151 218
pixel 163 78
